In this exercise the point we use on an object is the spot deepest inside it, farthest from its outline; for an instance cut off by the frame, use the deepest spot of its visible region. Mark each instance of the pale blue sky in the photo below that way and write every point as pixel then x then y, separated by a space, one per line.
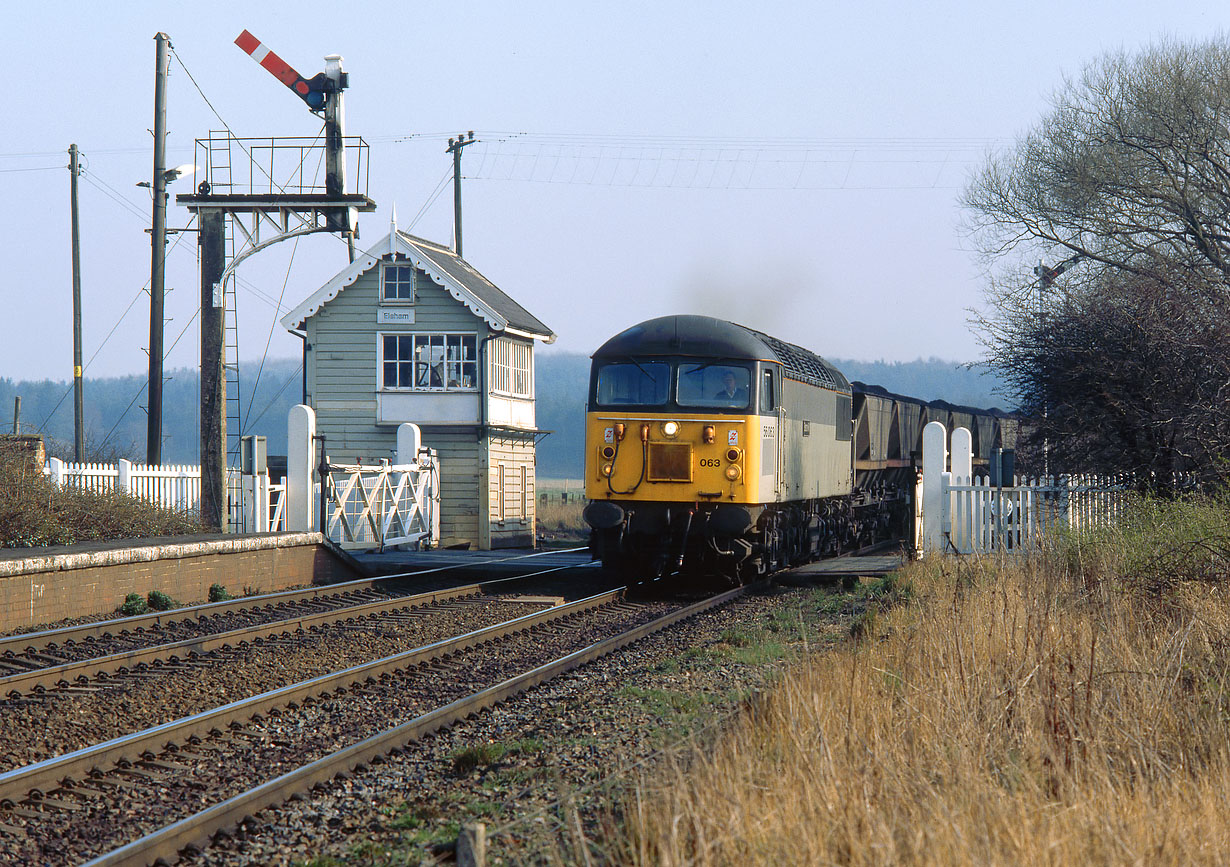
pixel 795 168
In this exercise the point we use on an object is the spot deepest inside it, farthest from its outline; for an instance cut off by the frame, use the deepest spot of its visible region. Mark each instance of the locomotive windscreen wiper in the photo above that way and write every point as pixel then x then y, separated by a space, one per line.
pixel 646 373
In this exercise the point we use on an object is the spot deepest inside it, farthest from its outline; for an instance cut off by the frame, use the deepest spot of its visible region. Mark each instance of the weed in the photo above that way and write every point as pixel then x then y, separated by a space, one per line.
pixel 217 593
pixel 134 605
pixel 1032 710
pixel 159 601
pixel 483 755
pixel 668 666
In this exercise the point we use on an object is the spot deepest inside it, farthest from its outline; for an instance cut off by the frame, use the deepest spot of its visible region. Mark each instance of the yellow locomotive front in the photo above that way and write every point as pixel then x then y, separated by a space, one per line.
pixel 714 449
pixel 673 462
pixel 682 446
pixel 700 444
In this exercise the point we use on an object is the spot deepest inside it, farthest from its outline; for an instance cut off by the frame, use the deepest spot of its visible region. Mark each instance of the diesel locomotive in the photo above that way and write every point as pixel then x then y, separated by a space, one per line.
pixel 718 450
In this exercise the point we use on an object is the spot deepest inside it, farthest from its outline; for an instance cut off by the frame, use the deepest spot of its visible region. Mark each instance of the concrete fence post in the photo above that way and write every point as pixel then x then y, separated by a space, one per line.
pixel 935 464
pixel 300 468
pixel 55 467
pixel 123 482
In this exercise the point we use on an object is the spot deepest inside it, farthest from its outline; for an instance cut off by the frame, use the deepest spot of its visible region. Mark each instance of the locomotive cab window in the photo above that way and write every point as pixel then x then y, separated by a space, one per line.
pixel 644 383
pixel 713 385
pixel 768 394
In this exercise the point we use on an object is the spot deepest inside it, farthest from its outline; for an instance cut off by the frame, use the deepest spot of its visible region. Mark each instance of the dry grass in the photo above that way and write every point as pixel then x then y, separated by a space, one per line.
pixel 562 522
pixel 35 513
pixel 1035 712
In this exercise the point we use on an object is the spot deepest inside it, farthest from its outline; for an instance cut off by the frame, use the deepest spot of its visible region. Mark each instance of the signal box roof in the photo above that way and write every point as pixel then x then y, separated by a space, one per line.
pixel 707 337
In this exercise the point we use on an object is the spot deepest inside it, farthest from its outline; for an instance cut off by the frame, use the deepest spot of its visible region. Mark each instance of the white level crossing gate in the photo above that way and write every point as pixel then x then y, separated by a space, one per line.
pixel 382 506
pixel 964 514
pixel 363 507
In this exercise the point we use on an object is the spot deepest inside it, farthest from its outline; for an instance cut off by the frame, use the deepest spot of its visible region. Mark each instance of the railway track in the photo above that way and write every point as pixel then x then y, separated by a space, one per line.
pixel 253 754
pixel 68 659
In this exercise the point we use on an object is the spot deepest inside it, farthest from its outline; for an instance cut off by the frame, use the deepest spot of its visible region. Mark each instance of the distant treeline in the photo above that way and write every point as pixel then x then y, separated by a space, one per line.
pixel 115 420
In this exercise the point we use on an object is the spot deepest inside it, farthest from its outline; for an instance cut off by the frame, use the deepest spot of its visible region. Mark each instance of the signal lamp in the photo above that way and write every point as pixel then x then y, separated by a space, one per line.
pixel 608 452
pixel 732 455
pixel 733 472
pixel 708 434
pixel 607 469
pixel 670 428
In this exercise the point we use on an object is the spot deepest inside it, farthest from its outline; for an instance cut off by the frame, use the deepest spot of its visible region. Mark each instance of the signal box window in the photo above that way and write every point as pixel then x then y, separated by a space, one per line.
pixel 645 383
pixel 713 385
pixel 429 362
pixel 397 282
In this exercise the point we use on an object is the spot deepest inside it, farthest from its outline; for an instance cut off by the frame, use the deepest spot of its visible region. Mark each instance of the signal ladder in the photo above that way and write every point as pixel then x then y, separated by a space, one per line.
pixel 222 182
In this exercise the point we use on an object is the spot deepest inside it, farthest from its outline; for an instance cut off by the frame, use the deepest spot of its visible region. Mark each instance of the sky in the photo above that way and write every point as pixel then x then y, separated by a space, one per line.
pixel 796 168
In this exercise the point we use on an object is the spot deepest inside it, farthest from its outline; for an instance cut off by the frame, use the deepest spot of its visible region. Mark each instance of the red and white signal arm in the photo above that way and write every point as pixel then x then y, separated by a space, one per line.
pixel 280 69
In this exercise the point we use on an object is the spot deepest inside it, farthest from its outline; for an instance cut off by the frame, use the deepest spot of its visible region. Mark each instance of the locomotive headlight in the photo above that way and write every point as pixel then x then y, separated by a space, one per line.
pixel 607 469
pixel 733 472
pixel 670 428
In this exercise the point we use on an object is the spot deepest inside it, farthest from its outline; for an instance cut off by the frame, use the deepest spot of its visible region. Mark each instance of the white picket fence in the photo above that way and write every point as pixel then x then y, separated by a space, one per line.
pixel 981 518
pixel 257 504
pixel 171 487
pixel 965 514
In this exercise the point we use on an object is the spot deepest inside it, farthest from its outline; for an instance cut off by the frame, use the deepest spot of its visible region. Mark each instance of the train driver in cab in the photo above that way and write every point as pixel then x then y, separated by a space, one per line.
pixel 731 393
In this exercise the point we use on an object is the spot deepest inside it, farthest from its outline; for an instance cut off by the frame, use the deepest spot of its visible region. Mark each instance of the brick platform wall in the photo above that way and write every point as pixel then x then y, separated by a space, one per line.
pixel 55 586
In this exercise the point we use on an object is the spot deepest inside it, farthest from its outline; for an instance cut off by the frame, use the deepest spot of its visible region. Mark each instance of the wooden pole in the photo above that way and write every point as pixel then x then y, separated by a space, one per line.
pixel 158 244
pixel 78 395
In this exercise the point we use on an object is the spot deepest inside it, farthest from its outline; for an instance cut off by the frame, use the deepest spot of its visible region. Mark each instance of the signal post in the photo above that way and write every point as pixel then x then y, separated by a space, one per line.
pixel 262 212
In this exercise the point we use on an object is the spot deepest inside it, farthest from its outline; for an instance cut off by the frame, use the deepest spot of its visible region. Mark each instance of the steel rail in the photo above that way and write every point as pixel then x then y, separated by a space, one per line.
pixel 72 673
pixel 49 774
pixel 197 830
pixel 22 641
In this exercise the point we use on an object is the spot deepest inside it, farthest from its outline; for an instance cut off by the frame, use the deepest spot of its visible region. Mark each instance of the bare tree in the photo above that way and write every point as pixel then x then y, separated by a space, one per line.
pixel 1132 376
pixel 1131 170
pixel 1124 360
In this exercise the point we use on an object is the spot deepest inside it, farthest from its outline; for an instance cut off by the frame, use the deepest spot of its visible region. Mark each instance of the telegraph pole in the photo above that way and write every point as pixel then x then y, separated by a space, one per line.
pixel 158 254
pixel 78 397
pixel 454 148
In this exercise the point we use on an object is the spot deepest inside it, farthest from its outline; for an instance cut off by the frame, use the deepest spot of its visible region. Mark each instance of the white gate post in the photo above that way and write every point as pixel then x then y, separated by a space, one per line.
pixel 300 468
pixel 409 441
pixel 961 462
pixel 935 464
